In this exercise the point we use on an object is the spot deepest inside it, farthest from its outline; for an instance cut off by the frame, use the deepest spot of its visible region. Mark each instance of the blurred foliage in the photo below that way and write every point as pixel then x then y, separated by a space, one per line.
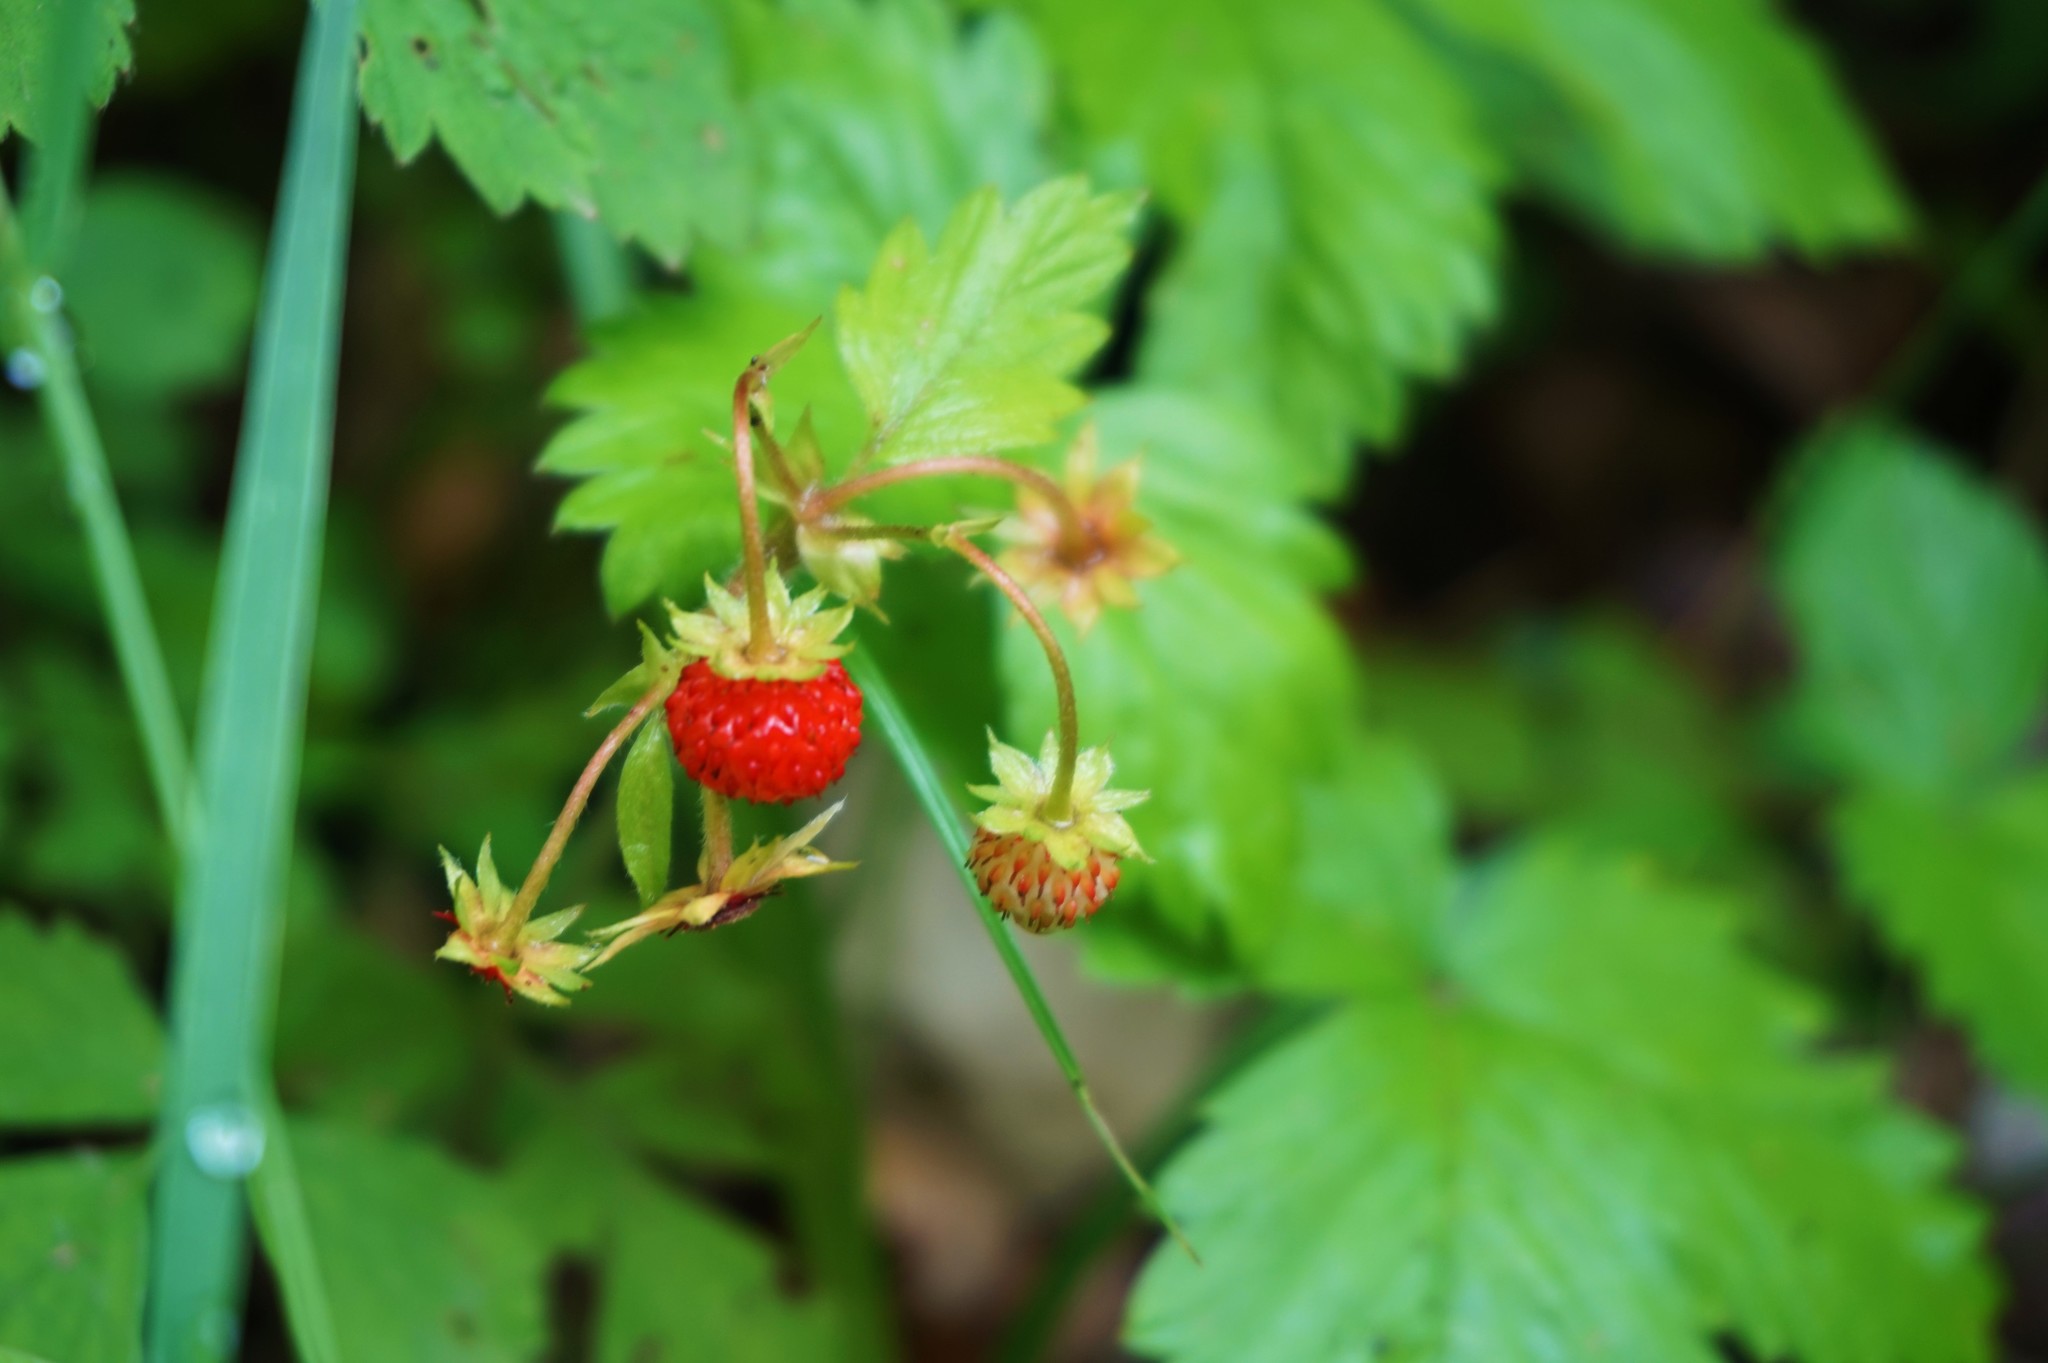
pixel 1517 859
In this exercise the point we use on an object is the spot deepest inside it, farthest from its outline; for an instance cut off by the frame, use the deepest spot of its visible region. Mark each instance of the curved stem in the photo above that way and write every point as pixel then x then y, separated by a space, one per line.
pixel 1073 529
pixel 750 511
pixel 778 461
pixel 1059 804
pixel 565 822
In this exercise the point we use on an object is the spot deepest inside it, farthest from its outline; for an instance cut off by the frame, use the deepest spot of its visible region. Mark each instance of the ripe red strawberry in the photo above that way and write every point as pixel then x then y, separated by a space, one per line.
pixel 1046 870
pixel 770 742
pixel 769 720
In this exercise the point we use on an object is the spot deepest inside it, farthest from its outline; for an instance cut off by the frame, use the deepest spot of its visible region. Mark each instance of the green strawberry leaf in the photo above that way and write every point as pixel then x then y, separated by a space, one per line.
pixel 79 1044
pixel 1713 130
pixel 966 346
pixel 866 114
pixel 647 798
pixel 1166 686
pixel 625 113
pixel 1334 195
pixel 1919 603
pixel 422 1258
pixel 1596 1131
pixel 72 1231
pixel 680 1282
pixel 651 402
pixel 26 30
pixel 1962 889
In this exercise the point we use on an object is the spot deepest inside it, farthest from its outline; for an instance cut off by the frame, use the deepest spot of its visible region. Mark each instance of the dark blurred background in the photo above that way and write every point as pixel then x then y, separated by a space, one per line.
pixel 1603 458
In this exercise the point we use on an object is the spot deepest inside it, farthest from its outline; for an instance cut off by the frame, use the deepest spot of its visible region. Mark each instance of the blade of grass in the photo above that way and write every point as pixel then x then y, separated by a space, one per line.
pixel 224 963
pixel 46 358
pixel 280 1207
pixel 945 818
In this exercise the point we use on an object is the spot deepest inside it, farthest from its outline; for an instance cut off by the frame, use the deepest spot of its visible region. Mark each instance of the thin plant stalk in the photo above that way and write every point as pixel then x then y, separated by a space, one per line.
pixel 68 417
pixel 750 513
pixel 213 1127
pixel 55 164
pixel 572 810
pixel 1073 529
pixel 717 837
pixel 1059 800
pixel 945 819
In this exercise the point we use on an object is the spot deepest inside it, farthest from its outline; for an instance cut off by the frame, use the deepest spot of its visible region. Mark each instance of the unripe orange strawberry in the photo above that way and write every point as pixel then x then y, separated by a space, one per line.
pixel 770 720
pixel 1044 867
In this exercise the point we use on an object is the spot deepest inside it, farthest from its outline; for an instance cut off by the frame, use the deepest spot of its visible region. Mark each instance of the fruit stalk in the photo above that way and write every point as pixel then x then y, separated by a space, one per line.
pixel 717 836
pixel 565 822
pixel 750 510
pixel 1059 803
pixel 1074 537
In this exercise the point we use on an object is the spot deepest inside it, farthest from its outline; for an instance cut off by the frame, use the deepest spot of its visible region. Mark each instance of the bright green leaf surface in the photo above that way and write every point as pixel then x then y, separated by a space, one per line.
pixel 681 1283
pixel 1963 891
pixel 1222 690
pixel 423 1258
pixel 162 285
pixel 869 113
pixel 1333 188
pixel 1600 1135
pixel 26 27
pixel 661 378
pixel 1919 603
pixel 1712 129
pixel 647 799
pixel 967 346
pixel 71 1239
pixel 79 1045
pixel 622 110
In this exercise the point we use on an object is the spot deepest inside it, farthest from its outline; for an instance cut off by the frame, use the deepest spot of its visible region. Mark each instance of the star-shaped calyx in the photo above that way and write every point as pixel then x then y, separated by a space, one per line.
pixel 802 637
pixel 1092 558
pixel 730 896
pixel 490 938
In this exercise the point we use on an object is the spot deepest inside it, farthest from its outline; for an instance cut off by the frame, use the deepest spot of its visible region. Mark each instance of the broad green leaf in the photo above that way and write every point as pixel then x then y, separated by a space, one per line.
pixel 624 112
pixel 1711 129
pixel 1599 1133
pixel 1222 690
pixel 162 285
pixel 26 28
pixel 649 403
pixel 647 798
pixel 366 1034
pixel 1375 878
pixel 424 1259
pixel 79 1045
pixel 1333 194
pixel 71 1248
pixel 681 1283
pixel 869 113
pixel 967 346
pixel 1919 604
pixel 1963 891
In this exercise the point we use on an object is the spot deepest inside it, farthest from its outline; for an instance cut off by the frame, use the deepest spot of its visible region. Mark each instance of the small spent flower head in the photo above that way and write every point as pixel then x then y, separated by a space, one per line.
pixel 753 875
pixel 1083 569
pixel 525 958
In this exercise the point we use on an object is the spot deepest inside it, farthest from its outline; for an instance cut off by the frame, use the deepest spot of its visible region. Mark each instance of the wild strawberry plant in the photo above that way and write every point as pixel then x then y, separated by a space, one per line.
pixel 890 444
